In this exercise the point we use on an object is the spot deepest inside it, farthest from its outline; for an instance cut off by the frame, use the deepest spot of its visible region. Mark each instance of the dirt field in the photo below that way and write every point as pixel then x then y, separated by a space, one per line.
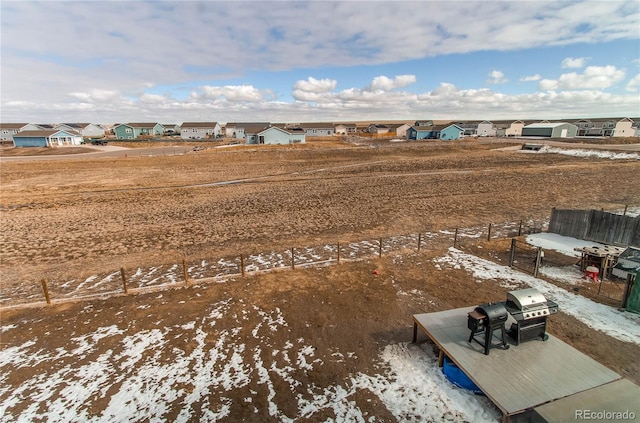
pixel 68 219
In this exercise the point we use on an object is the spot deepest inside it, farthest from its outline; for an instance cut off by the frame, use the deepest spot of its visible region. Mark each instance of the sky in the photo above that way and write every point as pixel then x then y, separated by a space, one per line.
pixel 285 61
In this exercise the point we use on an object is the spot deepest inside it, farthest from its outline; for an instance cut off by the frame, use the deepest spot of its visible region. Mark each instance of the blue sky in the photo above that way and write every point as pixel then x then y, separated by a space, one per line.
pixel 111 61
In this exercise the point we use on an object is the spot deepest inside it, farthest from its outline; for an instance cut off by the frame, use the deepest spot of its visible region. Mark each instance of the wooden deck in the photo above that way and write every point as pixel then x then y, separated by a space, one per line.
pixel 519 378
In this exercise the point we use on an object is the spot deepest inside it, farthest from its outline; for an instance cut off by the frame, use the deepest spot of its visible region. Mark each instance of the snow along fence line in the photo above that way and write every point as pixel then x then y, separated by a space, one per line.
pixel 166 276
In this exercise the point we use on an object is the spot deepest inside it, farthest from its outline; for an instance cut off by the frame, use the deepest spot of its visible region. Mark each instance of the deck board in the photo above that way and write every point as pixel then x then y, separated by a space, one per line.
pixel 522 377
pixel 616 397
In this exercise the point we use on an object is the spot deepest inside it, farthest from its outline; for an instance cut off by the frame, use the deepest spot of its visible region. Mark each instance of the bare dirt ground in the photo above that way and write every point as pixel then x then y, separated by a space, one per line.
pixel 71 219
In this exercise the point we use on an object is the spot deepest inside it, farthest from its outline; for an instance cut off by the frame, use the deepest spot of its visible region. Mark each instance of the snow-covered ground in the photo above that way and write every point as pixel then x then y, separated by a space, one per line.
pixel 141 384
pixel 576 152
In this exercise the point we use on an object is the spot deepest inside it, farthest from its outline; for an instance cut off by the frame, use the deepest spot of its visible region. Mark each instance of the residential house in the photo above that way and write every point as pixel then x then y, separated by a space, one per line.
pixel 48 138
pixel 170 129
pixel 200 130
pixel 278 135
pixel 375 128
pixel 470 127
pixel 550 130
pixel 251 131
pixel 508 128
pixel 345 129
pixel 423 123
pixel 132 131
pixel 452 132
pixel 619 128
pixel 486 129
pixel 88 130
pixel 237 129
pixel 318 129
pixel 401 130
pixel 605 127
pixel 423 132
pixel 8 130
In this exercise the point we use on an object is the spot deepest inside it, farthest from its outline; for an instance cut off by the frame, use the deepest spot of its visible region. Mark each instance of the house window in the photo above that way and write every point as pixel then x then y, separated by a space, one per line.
pixel 127 130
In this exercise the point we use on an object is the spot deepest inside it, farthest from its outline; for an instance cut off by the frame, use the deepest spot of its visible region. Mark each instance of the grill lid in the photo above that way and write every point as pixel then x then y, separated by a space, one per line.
pixel 527 299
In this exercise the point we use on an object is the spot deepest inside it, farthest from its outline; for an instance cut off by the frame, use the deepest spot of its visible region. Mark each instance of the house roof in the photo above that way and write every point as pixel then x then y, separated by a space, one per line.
pixel 289 131
pixel 547 124
pixel 453 124
pixel 199 124
pixel 317 125
pixel 76 125
pixel 424 128
pixel 254 128
pixel 43 133
pixel 141 124
pixel 12 125
pixel 244 124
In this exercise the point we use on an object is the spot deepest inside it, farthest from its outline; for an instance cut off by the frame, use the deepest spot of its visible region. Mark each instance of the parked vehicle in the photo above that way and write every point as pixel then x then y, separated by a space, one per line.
pixel 98 142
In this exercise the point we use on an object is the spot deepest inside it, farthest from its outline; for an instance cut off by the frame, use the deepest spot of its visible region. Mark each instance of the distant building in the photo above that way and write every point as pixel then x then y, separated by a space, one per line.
pixel 277 135
pixel 451 132
pixel 345 129
pixel 132 131
pixel 8 130
pixel 49 138
pixel 550 130
pixel 200 130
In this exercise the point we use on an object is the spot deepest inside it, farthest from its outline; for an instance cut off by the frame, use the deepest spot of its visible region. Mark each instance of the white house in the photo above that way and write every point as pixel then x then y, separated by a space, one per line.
pixel 486 129
pixel 277 135
pixel 200 130
pixel 345 128
pixel 509 128
pixel 88 130
pixel 318 129
pixel 401 131
pixel 8 130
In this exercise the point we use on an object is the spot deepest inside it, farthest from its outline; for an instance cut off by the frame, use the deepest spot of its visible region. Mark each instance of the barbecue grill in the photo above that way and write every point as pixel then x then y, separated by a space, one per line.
pixel 483 321
pixel 529 310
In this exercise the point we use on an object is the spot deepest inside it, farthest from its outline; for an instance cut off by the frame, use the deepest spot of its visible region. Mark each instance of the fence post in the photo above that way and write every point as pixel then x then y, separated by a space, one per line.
pixel 185 272
pixel 124 280
pixel 455 238
pixel 625 210
pixel 338 252
pixel 520 228
pixel 538 259
pixel 512 252
pixel 380 247
pixel 293 259
pixel 419 240
pixel 46 291
pixel 242 264
pixel 489 233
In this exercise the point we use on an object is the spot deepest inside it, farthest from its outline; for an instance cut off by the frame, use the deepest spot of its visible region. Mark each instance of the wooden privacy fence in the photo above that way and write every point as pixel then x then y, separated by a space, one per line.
pixel 123 281
pixel 597 226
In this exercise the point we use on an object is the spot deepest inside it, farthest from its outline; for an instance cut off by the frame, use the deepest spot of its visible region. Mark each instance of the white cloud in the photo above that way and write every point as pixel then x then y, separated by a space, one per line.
pixel 535 77
pixel 593 77
pixel 313 85
pixel 548 84
pixel 313 89
pixel 497 77
pixel 384 83
pixel 571 62
pixel 633 84
pixel 232 93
